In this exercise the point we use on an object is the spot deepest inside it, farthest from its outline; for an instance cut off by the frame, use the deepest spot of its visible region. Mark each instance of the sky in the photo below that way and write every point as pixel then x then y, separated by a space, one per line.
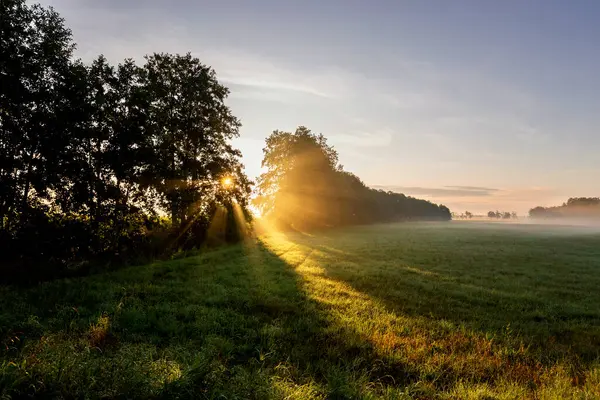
pixel 479 105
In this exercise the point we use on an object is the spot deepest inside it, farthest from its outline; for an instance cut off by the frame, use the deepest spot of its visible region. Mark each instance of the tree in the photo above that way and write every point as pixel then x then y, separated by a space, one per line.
pixel 468 214
pixel 584 208
pixel 583 201
pixel 299 167
pixel 92 154
pixel 537 212
pixel 491 214
pixel 190 126
pixel 35 52
pixel 304 186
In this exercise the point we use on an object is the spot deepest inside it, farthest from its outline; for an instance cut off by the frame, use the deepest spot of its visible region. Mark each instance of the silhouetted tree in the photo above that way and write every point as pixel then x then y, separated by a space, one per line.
pixel 191 127
pixel 35 51
pixel 91 155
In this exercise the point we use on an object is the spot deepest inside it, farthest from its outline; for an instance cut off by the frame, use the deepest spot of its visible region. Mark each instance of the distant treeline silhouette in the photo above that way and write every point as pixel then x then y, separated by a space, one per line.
pixel 305 187
pixel 502 214
pixel 575 207
pixel 106 163
pixel 491 214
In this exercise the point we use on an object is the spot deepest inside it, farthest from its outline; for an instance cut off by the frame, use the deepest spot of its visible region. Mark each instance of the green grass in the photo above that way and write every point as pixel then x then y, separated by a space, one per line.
pixel 431 310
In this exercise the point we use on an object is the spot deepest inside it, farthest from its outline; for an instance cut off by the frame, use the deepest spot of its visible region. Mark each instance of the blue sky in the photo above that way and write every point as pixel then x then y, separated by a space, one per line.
pixel 476 104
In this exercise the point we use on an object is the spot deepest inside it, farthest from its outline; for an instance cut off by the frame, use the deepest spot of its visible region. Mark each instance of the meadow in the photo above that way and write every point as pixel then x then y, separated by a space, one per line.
pixel 463 310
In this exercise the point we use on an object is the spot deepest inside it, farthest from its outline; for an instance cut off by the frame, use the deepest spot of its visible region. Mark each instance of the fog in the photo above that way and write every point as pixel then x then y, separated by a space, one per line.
pixel 562 226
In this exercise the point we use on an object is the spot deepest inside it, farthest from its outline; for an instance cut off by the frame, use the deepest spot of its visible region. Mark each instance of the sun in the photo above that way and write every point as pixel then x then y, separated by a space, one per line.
pixel 227 182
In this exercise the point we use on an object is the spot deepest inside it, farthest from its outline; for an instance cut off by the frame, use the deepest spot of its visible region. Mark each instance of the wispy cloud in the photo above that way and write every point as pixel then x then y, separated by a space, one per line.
pixel 443 192
pixel 472 188
pixel 241 68
pixel 110 28
pixel 374 138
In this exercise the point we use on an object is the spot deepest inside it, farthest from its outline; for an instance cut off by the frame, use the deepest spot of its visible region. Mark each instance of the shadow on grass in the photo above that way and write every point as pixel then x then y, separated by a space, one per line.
pixel 287 316
pixel 474 330
pixel 234 323
pixel 319 355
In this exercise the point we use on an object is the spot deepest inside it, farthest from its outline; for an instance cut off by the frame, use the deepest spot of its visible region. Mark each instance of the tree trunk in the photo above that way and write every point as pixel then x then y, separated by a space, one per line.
pixel 2 213
pixel 24 205
pixel 174 194
pixel 173 211
pixel 98 172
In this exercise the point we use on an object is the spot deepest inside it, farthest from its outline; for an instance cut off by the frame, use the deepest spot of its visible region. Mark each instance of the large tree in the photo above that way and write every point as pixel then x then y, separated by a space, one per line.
pixel 191 128
pixel 35 66
pixel 92 156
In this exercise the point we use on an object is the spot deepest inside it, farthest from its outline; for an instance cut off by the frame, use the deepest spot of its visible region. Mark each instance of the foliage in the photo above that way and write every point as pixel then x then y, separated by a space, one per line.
pixel 304 186
pixel 465 215
pixel 575 207
pixel 190 128
pixel 412 310
pixel 93 156
pixel 502 214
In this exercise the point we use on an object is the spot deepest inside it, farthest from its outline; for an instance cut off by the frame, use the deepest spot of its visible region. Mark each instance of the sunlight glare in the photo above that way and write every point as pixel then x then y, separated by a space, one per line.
pixel 227 182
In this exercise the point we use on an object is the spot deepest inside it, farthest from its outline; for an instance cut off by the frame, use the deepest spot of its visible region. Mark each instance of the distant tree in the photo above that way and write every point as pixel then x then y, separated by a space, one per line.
pixel 538 212
pixel 513 215
pixel 584 208
pixel 583 201
pixel 491 214
pixel 506 215
pixel 468 215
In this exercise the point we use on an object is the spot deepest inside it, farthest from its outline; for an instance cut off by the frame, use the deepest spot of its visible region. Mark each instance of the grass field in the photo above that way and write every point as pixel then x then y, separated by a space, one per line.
pixel 430 310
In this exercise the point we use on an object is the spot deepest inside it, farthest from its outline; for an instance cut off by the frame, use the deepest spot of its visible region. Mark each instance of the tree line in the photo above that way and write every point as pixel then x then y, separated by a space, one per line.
pixel 106 162
pixel 491 214
pixel 465 215
pixel 305 187
pixel 502 214
pixel 574 207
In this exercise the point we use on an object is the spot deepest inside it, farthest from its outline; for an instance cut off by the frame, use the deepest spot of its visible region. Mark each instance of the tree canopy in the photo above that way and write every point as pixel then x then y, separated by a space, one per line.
pixel 574 207
pixel 304 186
pixel 99 161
